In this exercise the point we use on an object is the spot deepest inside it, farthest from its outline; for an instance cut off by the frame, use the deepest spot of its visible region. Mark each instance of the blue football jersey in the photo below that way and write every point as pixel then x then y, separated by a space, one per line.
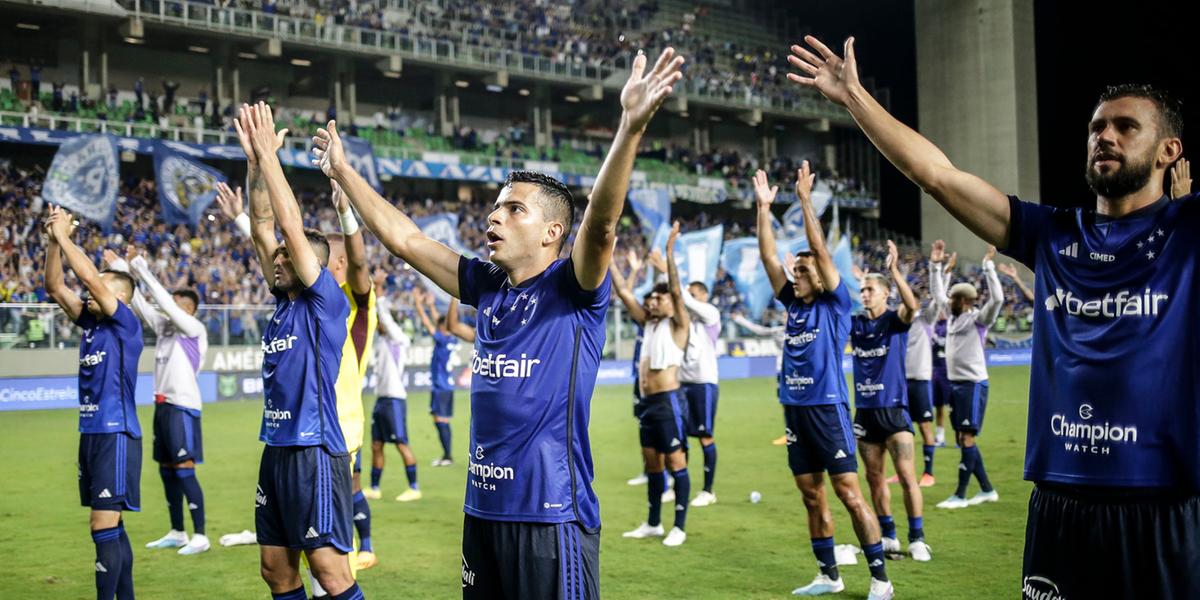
pixel 108 366
pixel 1114 394
pixel 812 351
pixel 533 369
pixel 439 363
pixel 302 352
pixel 879 347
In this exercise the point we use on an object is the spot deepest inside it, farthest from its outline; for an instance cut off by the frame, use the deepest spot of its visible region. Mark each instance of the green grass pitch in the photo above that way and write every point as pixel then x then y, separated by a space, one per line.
pixel 735 549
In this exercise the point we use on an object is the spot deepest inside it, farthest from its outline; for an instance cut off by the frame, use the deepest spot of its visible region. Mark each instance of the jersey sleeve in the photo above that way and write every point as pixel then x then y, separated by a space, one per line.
pixel 896 324
pixel 127 322
pixel 1026 226
pixel 476 277
pixel 786 295
pixel 591 300
pixel 840 297
pixel 327 298
pixel 86 319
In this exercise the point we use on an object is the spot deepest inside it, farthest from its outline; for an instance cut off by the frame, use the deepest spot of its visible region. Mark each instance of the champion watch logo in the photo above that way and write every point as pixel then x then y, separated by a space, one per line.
pixel 1071 251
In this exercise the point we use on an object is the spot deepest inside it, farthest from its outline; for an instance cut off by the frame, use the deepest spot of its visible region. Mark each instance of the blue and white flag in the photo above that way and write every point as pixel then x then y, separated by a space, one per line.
pixel 793 219
pixel 844 260
pixel 186 188
pixel 443 228
pixel 742 261
pixel 652 207
pixel 361 156
pixel 84 178
pixel 697 256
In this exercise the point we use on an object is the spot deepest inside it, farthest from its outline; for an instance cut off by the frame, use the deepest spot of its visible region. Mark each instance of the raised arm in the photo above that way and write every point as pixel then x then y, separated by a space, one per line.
pixel 387 323
pixel 418 301
pixel 259 124
pixel 230 204
pixel 991 308
pixel 681 320
pixel 459 329
pixel 260 225
pixel 187 324
pixel 972 201
pixel 56 285
pixel 908 300
pixel 642 95
pixel 141 307
pixel 937 278
pixel 1010 270
pixel 357 274
pixel 812 229
pixel 394 229
pixel 706 313
pixel 755 328
pixel 764 194
pixel 60 223
pixel 625 293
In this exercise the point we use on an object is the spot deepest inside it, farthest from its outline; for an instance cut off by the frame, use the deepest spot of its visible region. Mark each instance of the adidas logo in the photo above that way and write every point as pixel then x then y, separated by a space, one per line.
pixel 820 564
pixel 965 422
pixel 104 493
pixel 674 441
pixel 100 567
pixel 840 454
pixel 876 563
pixel 962 467
pixel 1071 251
pixel 701 428
pixel 679 507
pixel 192 506
pixel 312 533
pixel 182 452
pixel 360 517
pixel 927 414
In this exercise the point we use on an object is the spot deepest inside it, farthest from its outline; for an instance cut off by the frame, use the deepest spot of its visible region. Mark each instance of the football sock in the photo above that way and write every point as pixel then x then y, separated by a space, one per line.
pixel 362 521
pixel 823 549
pixel 444 436
pixel 916 529
pixel 887 526
pixel 875 562
pixel 929 450
pixel 710 466
pixel 656 484
pixel 174 497
pixel 683 486
pixel 970 455
pixel 110 560
pixel 376 476
pixel 410 471
pixel 195 496
pixel 985 484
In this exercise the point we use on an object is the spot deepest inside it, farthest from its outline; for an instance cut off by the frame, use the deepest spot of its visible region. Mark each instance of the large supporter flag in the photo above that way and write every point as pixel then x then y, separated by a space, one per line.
pixel 844 259
pixel 84 178
pixel 443 228
pixel 743 262
pixel 652 207
pixel 697 255
pixel 793 218
pixel 361 156
pixel 186 188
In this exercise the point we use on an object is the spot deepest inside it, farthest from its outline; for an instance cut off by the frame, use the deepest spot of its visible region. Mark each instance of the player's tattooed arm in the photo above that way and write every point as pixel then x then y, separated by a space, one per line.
pixel 764 194
pixel 812 229
pixel 973 201
pixel 643 93
pixel 61 224
pixel 390 225
pixel 260 225
pixel 1181 179
pixel 681 321
pixel 56 285
pixel 459 329
pixel 908 301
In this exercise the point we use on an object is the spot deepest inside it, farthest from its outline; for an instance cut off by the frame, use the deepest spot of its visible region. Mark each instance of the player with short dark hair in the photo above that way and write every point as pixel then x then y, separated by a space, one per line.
pixel 110 440
pixel 1111 443
pixel 441 377
pixel 303 498
pixel 532 521
pixel 813 391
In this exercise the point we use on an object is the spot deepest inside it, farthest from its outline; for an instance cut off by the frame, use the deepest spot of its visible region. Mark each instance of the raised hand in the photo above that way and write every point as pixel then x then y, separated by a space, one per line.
pixel 764 192
pixel 1008 269
pixel 656 260
pixel 110 257
pixel 953 261
pixel 328 153
pixel 60 224
pixel 672 237
pixel 131 252
pixel 938 253
pixel 804 184
pixel 258 123
pixel 1181 179
pixel 893 257
pixel 836 78
pixel 635 261
pixel 990 254
pixel 645 92
pixel 229 200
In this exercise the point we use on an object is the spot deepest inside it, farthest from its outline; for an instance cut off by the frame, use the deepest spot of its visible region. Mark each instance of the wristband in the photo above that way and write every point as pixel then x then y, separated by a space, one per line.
pixel 243 224
pixel 349 223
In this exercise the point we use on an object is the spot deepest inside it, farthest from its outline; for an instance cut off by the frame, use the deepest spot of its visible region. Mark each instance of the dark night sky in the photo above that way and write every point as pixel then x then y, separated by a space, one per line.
pixel 1081 48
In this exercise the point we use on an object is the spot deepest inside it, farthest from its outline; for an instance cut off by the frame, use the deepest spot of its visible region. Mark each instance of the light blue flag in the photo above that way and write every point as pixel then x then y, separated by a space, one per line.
pixel 84 178
pixel 743 262
pixel 186 188
pixel 697 256
pixel 361 156
pixel 844 260
pixel 653 209
pixel 443 228
pixel 793 218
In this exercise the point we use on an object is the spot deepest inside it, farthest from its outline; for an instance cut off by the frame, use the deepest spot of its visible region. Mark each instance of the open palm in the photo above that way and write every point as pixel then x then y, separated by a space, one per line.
pixel 836 78
pixel 645 92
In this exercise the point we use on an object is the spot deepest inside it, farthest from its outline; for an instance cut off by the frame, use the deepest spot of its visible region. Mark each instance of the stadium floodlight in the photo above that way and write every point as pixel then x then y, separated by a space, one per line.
pixel 523 92
pixel 462 83
pixel 494 88
pixel 248 55
pixel 301 62
pixel 392 74
pixel 133 40
pixel 572 99
pixel 29 26
pixel 198 49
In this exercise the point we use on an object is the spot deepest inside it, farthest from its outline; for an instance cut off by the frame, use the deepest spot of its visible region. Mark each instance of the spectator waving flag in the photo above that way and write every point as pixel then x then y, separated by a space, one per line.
pixel 743 262
pixel 186 188
pixel 443 228
pixel 361 156
pixel 653 209
pixel 84 178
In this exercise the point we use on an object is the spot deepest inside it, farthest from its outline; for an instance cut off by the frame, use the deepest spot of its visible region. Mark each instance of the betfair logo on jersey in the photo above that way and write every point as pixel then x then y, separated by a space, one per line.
pixel 483 472
pixel 1083 436
pixel 93 359
pixel 278 344
pixel 1111 306
pixel 803 338
pixel 503 365
pixel 878 352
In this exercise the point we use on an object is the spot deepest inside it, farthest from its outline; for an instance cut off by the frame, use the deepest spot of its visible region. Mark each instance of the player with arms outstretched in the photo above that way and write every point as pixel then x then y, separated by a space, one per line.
pixel 441 380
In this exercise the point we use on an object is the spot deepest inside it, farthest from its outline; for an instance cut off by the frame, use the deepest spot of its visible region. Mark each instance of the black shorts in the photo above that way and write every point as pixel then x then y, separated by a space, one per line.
pixel 177 435
pixel 441 403
pixel 941 389
pixel 661 425
pixel 503 560
pixel 389 420
pixel 637 395
pixel 819 438
pixel 876 425
pixel 968 403
pixel 303 499
pixel 701 407
pixel 110 471
pixel 1136 544
pixel 920 400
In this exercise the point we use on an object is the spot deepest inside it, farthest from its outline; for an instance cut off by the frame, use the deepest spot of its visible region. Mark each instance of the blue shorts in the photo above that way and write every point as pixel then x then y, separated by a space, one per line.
pixel 177 435
pixel 701 407
pixel 441 403
pixel 389 420
pixel 876 425
pixel 303 499
pixel 547 561
pixel 661 424
pixel 920 400
pixel 1111 543
pixel 819 438
pixel 941 389
pixel 110 471
pixel 968 402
